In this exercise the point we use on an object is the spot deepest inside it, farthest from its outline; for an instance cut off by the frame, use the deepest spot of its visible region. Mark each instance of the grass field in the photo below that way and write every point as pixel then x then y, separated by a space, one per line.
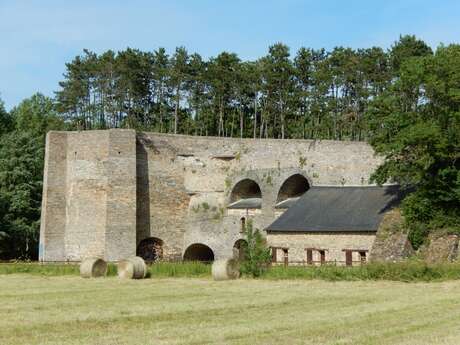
pixel 71 310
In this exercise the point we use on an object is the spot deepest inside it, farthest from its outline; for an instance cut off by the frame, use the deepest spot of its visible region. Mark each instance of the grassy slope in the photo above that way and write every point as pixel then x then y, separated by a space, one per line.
pixel 70 310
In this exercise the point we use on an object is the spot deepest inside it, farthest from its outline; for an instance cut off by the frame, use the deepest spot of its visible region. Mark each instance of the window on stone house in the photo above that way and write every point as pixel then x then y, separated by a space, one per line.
pixel 243 225
pixel 274 258
pixel 309 256
pixel 322 254
pixel 348 257
pixel 362 257
pixel 286 256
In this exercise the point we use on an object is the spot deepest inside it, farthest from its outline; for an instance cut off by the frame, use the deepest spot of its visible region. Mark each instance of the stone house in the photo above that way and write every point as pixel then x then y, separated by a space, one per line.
pixel 331 224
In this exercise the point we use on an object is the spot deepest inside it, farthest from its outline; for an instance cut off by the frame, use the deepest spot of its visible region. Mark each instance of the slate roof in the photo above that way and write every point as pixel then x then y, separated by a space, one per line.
pixel 246 203
pixel 338 209
pixel 286 203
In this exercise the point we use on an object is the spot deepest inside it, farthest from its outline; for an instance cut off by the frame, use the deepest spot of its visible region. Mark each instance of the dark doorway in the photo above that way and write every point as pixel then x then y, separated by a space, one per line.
pixel 199 252
pixel 150 249
pixel 348 258
pixel 239 250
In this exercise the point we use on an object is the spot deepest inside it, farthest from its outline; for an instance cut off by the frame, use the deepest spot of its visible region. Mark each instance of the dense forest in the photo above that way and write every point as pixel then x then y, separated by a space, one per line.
pixel 405 101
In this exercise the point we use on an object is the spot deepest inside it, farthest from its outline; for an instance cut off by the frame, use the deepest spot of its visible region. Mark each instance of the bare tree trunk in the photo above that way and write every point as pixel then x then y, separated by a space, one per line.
pixel 282 117
pixel 241 123
pixel 255 116
pixel 221 118
pixel 176 110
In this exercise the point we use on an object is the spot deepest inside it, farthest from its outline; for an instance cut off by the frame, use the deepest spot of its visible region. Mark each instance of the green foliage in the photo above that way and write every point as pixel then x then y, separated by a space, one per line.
pixel 302 162
pixel 180 269
pixel 37 115
pixel 415 124
pixel 412 271
pixel 316 94
pixel 21 169
pixel 257 254
pixel 21 175
pixel 6 122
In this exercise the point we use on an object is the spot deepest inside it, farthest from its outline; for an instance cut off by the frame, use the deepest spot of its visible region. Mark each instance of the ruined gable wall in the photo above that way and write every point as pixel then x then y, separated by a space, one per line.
pixel 190 180
pixel 105 191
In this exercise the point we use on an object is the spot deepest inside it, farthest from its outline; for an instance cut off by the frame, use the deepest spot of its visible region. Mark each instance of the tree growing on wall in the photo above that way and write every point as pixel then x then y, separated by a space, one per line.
pixel 256 253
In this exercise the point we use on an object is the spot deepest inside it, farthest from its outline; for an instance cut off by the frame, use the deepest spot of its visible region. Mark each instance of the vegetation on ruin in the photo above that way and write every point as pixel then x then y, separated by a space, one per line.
pixel 405 101
pixel 257 256
pixel 72 310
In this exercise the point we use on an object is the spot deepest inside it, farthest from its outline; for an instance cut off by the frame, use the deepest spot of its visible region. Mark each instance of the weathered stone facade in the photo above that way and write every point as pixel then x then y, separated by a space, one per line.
pixel 105 191
pixel 441 248
pixel 392 243
pixel 333 244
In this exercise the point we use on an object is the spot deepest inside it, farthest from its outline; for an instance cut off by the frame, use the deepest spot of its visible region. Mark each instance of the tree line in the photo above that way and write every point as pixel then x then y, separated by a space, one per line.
pixel 315 94
pixel 405 101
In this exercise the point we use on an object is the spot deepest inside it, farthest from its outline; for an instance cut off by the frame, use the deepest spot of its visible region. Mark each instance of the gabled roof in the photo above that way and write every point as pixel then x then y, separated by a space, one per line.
pixel 338 209
pixel 287 203
pixel 246 203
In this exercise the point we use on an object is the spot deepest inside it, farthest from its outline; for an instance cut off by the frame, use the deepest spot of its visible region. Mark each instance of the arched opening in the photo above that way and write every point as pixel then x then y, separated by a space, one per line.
pixel 291 190
pixel 198 252
pixel 150 249
pixel 239 249
pixel 243 224
pixel 246 194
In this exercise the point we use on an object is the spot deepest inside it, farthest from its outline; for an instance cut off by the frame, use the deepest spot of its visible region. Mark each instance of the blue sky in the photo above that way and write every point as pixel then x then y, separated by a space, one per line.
pixel 39 36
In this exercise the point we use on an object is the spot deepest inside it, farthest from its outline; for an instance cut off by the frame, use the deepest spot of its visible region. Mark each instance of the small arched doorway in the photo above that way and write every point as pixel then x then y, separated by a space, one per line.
pixel 150 249
pixel 198 252
pixel 239 249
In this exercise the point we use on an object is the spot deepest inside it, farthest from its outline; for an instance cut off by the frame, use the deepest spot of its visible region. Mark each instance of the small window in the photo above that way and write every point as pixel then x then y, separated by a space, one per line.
pixel 348 258
pixel 309 256
pixel 274 258
pixel 243 225
pixel 286 256
pixel 362 256
pixel 322 254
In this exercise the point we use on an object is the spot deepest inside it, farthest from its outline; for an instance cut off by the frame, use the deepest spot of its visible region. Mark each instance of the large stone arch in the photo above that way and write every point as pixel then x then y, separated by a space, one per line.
pixel 293 187
pixel 244 189
pixel 198 252
pixel 150 249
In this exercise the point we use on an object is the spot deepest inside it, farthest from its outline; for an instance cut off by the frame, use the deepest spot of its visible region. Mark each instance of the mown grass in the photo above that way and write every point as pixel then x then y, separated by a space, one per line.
pixel 411 271
pixel 68 310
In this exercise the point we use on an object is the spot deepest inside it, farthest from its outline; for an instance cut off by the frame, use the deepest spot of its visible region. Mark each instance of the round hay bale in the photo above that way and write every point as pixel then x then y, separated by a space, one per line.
pixel 93 268
pixel 132 268
pixel 225 269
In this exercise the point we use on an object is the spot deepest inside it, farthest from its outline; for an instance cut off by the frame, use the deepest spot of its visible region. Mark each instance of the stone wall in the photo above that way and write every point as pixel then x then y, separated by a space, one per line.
pixel 105 191
pixel 391 243
pixel 190 180
pixel 332 243
pixel 441 248
pixel 89 199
